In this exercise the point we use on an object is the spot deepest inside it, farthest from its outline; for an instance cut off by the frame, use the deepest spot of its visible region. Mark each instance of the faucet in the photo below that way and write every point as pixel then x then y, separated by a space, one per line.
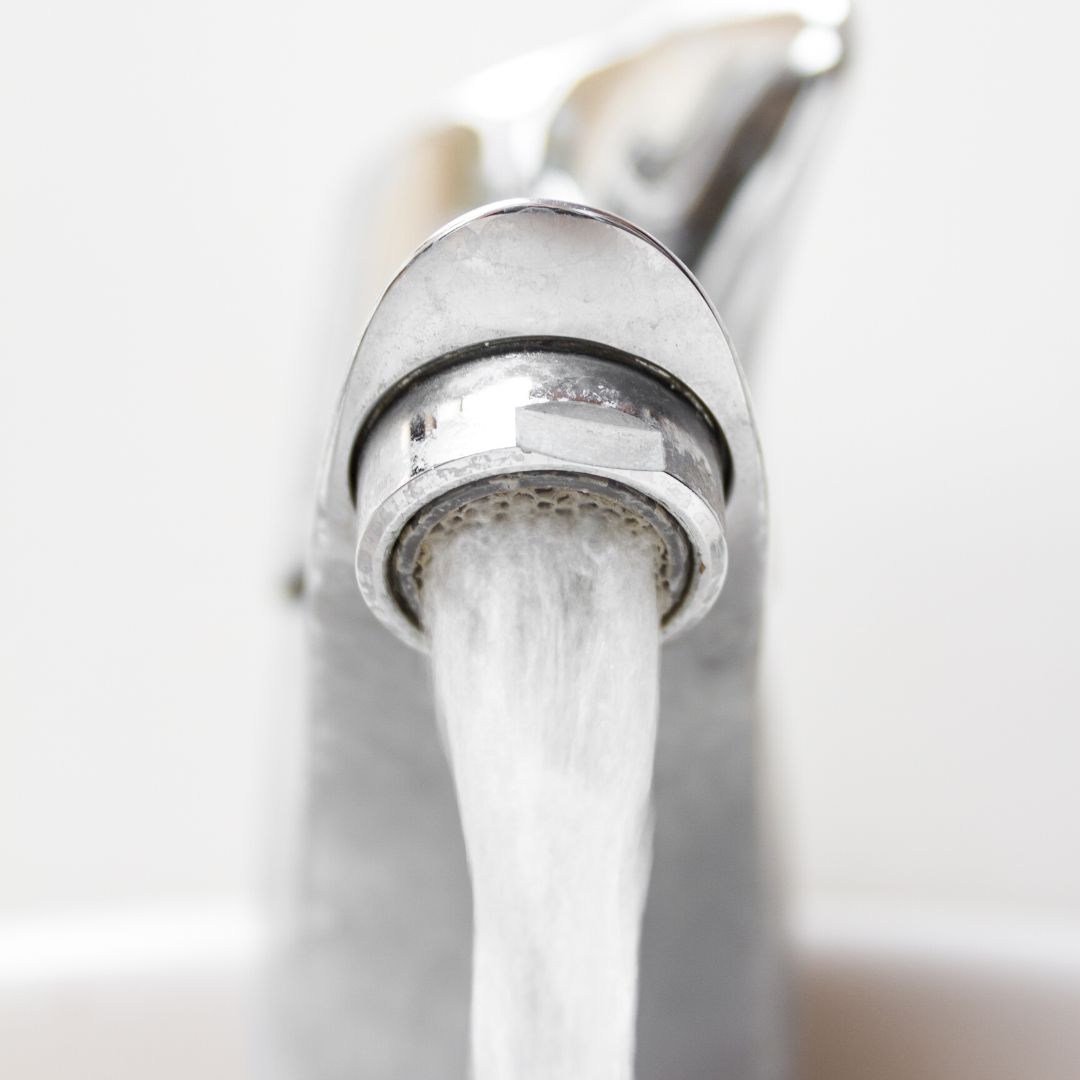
pixel 585 208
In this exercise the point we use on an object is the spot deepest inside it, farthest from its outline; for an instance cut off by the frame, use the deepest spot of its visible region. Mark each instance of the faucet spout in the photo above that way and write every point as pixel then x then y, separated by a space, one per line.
pixel 553 337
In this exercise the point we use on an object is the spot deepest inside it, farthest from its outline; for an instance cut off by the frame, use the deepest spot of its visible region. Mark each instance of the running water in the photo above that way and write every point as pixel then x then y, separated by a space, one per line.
pixel 542 612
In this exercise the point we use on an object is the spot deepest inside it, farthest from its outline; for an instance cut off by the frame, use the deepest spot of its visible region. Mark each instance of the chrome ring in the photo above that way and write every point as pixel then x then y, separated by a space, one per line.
pixel 563 418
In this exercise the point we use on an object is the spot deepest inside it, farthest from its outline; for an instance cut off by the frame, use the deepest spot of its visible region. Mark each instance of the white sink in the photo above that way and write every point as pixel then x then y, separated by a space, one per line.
pixel 884 994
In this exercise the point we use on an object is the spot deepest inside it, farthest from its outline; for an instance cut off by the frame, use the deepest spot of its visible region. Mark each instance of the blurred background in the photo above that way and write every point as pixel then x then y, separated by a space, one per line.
pixel 182 258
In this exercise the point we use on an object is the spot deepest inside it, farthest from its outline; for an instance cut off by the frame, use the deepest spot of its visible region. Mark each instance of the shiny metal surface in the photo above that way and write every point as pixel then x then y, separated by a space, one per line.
pixel 380 949
pixel 555 410
pixel 694 121
pixel 694 127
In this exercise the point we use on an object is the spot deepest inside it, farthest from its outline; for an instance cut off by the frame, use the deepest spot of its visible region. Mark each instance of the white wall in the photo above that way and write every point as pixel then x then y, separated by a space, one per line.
pixel 180 248
pixel 919 415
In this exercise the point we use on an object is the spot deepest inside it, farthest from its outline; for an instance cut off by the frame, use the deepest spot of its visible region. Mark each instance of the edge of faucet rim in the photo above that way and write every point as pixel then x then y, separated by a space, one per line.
pixel 556 344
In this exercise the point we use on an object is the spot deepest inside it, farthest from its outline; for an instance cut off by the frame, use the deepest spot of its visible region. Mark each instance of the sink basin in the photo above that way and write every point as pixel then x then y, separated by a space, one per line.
pixel 883 993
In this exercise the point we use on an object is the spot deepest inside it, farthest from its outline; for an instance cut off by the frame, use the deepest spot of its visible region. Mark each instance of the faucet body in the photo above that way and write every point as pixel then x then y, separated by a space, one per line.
pixel 375 968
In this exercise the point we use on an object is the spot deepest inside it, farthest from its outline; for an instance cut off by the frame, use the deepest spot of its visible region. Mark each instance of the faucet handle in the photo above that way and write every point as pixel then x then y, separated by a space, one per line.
pixel 692 123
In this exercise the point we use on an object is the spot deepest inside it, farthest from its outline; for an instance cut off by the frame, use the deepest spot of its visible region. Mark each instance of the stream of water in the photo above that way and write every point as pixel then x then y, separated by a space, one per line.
pixel 543 621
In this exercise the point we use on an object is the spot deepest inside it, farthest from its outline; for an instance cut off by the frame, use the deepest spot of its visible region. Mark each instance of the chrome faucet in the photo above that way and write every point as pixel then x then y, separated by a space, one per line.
pixel 554 335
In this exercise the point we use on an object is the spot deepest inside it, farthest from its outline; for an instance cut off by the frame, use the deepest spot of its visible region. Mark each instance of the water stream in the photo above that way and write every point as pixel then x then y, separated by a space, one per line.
pixel 542 616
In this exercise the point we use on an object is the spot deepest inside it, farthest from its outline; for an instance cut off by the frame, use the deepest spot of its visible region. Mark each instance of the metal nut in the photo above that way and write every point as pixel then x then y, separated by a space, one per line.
pixel 587 422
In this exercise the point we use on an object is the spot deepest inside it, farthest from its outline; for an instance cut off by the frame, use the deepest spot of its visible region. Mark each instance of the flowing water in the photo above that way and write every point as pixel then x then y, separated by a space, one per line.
pixel 542 613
